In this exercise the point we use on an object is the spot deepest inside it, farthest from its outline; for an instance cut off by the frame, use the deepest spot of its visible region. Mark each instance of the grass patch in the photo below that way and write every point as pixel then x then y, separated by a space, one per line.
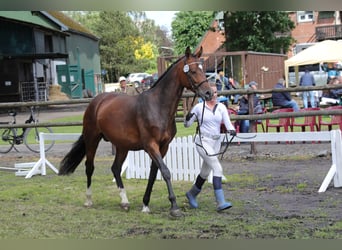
pixel 181 130
pixel 51 207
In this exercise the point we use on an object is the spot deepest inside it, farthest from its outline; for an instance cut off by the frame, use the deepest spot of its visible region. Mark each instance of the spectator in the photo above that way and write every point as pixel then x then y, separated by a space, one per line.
pixel 228 84
pixel 308 80
pixel 283 99
pixel 332 96
pixel 332 72
pixel 244 107
pixel 124 88
pixel 233 84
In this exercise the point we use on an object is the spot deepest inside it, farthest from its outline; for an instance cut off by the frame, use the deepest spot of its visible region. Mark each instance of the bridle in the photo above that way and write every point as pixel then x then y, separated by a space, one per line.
pixel 186 70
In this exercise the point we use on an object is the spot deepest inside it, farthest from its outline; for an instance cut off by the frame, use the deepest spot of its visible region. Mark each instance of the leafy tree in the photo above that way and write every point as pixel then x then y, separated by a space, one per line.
pixel 188 27
pixel 128 41
pixel 262 31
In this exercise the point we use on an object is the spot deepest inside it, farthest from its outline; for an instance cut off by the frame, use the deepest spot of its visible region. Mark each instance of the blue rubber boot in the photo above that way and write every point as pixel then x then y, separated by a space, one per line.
pixel 221 203
pixel 191 196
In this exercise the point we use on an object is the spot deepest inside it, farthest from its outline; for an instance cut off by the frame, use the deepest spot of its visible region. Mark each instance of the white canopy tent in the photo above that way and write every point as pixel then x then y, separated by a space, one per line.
pixel 325 51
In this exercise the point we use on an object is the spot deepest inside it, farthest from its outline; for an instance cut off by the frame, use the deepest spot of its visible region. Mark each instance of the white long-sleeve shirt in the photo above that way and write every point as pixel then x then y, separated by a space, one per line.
pixel 212 119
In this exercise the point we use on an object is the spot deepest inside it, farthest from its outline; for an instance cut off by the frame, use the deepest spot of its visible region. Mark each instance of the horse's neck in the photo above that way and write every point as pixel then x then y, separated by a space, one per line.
pixel 170 92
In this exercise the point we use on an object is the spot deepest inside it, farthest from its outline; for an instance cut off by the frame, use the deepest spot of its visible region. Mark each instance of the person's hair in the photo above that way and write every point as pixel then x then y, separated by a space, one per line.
pixel 281 80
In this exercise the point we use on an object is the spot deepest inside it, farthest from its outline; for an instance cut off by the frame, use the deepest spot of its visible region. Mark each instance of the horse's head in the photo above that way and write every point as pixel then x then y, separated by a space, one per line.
pixel 195 78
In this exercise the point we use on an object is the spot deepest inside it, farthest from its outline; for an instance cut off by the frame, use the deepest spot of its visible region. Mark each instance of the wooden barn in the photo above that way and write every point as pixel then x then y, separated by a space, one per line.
pixel 247 66
pixel 243 66
pixel 39 49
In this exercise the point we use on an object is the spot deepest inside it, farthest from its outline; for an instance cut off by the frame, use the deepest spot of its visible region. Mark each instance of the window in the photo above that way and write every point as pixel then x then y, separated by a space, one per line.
pixel 305 16
pixel 326 14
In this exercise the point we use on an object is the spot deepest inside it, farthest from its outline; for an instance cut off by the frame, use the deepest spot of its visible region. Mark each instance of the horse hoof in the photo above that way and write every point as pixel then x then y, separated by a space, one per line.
pixel 88 204
pixel 125 206
pixel 145 209
pixel 176 213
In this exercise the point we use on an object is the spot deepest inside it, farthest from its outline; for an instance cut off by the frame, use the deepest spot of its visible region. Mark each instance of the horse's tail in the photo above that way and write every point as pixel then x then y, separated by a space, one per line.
pixel 73 158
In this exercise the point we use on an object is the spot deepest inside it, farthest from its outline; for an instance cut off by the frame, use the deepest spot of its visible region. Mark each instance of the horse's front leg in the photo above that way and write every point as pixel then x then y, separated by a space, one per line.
pixel 159 163
pixel 116 169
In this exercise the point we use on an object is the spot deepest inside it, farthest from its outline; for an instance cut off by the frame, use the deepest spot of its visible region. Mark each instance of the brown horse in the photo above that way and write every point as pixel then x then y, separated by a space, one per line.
pixel 145 121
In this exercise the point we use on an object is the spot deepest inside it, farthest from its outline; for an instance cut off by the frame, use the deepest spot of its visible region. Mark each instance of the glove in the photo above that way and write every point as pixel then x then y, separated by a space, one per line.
pixel 232 132
pixel 188 116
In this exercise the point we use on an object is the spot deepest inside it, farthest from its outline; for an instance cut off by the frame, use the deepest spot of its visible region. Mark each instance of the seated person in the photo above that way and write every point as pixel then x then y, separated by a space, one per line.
pixel 227 83
pixel 233 84
pixel 244 108
pixel 283 99
pixel 332 96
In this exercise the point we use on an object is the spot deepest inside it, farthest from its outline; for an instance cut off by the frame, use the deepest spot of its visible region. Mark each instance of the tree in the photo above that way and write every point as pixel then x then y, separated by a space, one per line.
pixel 262 31
pixel 129 42
pixel 189 27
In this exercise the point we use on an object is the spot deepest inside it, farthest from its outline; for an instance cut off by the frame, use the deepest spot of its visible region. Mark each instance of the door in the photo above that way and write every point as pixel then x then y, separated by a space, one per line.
pixel 70 80
pixel 89 80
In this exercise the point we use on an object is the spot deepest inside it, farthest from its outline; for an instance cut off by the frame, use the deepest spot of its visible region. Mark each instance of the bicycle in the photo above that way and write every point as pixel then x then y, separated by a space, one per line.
pixel 29 136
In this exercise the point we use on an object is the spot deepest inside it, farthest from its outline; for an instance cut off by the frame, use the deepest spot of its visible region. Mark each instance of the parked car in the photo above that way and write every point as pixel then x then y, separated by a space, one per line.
pixel 148 81
pixel 136 78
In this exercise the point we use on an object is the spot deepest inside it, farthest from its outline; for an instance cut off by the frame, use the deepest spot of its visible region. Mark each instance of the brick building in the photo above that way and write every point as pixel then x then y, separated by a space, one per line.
pixel 314 26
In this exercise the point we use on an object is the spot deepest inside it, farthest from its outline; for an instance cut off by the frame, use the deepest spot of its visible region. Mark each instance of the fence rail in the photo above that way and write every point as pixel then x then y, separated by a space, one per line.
pixel 12 105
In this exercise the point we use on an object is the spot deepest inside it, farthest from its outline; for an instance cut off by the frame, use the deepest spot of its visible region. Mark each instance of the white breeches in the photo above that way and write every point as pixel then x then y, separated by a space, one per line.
pixel 207 148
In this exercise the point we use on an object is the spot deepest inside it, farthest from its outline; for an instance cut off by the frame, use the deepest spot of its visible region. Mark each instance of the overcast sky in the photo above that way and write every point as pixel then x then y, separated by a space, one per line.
pixel 161 18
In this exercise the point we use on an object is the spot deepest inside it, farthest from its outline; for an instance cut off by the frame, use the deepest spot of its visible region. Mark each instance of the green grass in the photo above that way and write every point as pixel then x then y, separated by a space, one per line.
pixel 181 130
pixel 51 207
pixel 67 129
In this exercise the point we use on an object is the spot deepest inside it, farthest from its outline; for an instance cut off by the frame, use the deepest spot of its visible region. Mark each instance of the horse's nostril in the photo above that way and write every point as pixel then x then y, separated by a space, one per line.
pixel 208 95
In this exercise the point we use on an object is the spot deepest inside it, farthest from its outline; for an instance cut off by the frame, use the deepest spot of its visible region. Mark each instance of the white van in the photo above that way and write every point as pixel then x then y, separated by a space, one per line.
pixel 317 70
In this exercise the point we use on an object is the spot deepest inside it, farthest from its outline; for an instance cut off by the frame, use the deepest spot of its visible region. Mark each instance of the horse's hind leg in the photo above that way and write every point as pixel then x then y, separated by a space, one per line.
pixel 90 154
pixel 151 180
pixel 120 157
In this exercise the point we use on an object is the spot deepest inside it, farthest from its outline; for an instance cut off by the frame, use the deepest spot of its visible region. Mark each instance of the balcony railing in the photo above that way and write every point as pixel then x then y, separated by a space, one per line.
pixel 332 32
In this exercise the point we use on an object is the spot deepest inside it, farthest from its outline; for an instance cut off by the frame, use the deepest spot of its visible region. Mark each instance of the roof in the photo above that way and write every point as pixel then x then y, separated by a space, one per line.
pixel 68 23
pixel 54 20
pixel 325 51
pixel 29 17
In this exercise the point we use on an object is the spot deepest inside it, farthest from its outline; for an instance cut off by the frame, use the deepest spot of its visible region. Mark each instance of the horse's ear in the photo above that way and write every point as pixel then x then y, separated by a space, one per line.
pixel 187 51
pixel 199 53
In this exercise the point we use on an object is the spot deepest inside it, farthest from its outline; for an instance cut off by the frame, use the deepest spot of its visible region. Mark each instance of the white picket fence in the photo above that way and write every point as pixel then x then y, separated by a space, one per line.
pixel 184 162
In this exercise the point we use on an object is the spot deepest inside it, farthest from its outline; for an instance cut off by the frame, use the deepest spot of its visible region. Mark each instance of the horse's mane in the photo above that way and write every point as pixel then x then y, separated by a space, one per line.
pixel 167 70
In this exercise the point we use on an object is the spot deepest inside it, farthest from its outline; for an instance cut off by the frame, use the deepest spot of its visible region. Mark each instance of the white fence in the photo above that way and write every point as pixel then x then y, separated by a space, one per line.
pixel 184 162
pixel 29 169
